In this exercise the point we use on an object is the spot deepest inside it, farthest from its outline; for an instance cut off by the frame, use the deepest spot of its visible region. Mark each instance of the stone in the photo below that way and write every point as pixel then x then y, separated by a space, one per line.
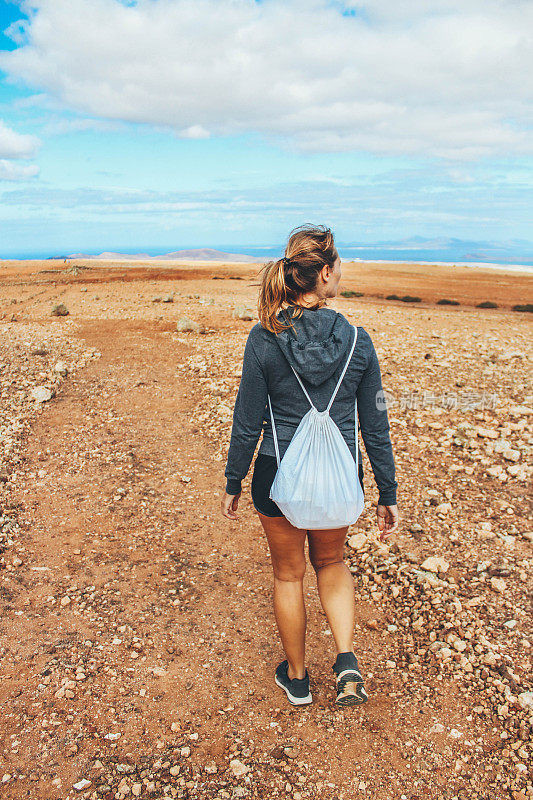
pixel 41 394
pixel 186 324
pixel 61 368
pixel 81 785
pixel 357 541
pixel 238 767
pixel 525 700
pixel 498 584
pixel 242 312
pixel 438 727
pixel 60 310
pixel 435 564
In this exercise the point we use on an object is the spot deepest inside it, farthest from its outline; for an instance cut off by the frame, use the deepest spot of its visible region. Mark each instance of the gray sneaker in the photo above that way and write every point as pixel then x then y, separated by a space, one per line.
pixel 297 690
pixel 350 688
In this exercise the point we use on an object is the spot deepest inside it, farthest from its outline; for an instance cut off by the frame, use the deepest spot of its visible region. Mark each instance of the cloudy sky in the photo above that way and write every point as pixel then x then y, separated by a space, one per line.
pixel 162 124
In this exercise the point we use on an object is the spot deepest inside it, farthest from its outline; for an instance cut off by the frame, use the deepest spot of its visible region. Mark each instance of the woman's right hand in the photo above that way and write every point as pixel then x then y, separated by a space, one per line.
pixel 228 505
pixel 388 519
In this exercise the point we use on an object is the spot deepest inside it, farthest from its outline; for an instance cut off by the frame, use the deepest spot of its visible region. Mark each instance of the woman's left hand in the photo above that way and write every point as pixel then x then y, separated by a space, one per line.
pixel 229 505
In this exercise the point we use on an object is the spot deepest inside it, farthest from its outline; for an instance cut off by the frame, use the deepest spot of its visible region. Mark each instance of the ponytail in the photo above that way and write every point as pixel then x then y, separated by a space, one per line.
pixel 309 249
pixel 272 295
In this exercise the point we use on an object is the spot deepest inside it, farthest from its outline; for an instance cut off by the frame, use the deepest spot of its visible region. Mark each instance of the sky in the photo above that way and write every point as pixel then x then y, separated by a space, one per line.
pixel 158 125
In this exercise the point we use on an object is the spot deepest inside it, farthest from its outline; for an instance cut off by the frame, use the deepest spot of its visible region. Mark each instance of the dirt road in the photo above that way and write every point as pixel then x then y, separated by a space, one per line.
pixel 138 636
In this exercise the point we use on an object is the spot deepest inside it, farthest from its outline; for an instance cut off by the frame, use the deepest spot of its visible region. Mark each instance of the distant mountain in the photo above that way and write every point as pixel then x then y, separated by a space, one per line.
pixel 200 254
pixel 415 248
pixel 448 250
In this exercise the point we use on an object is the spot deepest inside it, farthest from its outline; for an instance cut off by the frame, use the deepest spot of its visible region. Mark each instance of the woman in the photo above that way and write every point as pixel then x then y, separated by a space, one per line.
pixel 297 328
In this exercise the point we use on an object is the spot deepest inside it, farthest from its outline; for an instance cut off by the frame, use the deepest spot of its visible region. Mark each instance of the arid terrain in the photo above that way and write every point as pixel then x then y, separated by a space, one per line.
pixel 138 641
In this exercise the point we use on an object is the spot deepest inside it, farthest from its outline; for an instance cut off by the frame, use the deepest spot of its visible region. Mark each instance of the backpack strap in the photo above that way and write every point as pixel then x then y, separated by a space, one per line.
pixel 344 370
pixel 274 430
pixel 303 387
pixel 356 442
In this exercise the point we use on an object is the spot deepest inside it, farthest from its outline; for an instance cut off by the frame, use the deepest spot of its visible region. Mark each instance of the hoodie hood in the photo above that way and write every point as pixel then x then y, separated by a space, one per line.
pixel 321 341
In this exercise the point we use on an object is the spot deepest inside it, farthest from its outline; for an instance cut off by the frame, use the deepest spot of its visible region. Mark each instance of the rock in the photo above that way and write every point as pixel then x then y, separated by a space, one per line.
pixel 459 645
pixel 498 584
pixel 373 624
pixel 525 699
pixel 225 412
pixel 487 433
pixel 242 312
pixel 186 324
pixel 168 299
pixel 60 310
pixel 435 564
pixel 41 394
pixel 238 768
pixel 445 653
pixel 61 368
pixel 455 734
pixel 443 508
pixel 136 789
pixel 438 727
pixel 357 541
pixel 81 785
pixel 494 472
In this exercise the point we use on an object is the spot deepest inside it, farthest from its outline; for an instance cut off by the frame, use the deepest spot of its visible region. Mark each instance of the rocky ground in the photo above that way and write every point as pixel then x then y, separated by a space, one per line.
pixel 131 657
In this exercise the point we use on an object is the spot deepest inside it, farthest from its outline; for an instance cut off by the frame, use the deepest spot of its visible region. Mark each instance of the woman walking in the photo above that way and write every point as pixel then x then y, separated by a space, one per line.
pixel 297 331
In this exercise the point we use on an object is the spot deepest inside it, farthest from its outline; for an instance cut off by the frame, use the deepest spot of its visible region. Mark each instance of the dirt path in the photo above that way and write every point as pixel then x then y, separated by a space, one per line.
pixel 141 647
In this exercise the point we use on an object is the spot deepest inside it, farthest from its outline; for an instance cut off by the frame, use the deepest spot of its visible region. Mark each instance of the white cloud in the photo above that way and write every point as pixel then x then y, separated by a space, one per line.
pixel 423 77
pixel 11 171
pixel 16 145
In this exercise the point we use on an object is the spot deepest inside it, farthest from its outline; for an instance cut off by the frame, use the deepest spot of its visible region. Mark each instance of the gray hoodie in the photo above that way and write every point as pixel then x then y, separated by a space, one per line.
pixel 317 351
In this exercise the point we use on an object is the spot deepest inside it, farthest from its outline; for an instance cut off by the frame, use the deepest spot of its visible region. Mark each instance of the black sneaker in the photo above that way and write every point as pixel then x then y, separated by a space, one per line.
pixel 298 689
pixel 350 689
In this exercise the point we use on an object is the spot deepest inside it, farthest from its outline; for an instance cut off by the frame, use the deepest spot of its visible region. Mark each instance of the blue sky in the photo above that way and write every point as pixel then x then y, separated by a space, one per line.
pixel 166 124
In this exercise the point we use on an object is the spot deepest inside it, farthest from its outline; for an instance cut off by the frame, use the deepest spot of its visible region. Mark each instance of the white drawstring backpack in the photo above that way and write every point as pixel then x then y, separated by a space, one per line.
pixel 317 485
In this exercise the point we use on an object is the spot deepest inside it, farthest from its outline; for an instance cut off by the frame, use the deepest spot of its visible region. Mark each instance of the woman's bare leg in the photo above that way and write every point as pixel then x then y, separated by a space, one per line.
pixel 335 584
pixel 286 544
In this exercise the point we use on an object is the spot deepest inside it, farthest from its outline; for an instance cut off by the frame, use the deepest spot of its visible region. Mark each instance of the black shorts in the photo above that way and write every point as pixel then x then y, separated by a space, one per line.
pixel 265 469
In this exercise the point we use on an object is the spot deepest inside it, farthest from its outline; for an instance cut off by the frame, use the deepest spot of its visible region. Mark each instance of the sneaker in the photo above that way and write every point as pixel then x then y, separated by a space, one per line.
pixel 350 689
pixel 297 690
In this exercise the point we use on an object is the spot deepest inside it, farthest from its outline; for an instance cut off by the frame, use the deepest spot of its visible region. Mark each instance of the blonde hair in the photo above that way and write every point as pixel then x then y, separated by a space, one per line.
pixel 308 250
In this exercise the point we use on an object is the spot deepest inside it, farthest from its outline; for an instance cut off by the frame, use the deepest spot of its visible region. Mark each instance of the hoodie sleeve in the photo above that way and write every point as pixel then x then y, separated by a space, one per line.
pixel 374 424
pixel 248 416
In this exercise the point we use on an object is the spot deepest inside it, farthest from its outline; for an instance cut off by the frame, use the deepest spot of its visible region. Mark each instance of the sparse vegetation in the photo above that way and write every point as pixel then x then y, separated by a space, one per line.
pixel 405 299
